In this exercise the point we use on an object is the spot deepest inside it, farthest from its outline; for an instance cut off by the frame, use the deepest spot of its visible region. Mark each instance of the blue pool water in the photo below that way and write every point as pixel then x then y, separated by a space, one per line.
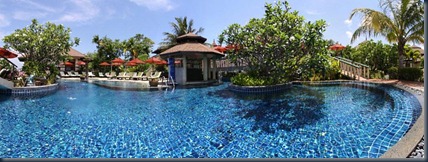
pixel 348 120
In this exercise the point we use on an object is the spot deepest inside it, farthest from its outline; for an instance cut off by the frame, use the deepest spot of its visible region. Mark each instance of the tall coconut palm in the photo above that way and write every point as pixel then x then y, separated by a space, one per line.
pixel 399 22
pixel 180 27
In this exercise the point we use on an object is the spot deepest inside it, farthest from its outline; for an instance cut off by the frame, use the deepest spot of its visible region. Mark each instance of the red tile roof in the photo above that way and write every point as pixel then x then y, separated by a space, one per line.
pixel 75 54
pixel 190 48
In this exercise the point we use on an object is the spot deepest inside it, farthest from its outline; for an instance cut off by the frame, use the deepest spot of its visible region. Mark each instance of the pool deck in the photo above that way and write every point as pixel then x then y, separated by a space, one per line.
pixel 406 145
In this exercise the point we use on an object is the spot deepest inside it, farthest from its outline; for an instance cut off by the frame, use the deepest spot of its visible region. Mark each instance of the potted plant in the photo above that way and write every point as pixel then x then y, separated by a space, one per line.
pixel 82 77
pixel 153 82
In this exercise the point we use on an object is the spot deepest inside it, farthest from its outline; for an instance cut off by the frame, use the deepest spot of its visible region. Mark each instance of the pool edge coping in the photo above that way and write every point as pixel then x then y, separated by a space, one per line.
pixel 405 146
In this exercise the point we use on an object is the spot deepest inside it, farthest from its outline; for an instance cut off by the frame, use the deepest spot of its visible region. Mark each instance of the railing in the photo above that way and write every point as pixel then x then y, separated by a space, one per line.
pixel 353 69
pixel 227 65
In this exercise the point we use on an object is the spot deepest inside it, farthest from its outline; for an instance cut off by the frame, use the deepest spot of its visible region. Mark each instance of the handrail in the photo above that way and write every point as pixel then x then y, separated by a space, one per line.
pixel 172 80
pixel 353 69
pixel 357 63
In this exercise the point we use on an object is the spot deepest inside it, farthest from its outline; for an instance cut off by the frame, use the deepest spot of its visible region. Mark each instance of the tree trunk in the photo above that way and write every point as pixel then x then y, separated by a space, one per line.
pixel 400 49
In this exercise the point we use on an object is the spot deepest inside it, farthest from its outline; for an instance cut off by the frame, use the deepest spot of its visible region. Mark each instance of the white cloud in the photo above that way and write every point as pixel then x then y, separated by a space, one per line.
pixel 348 22
pixel 155 4
pixel 3 21
pixel 23 15
pixel 349 34
pixel 83 10
pixel 37 5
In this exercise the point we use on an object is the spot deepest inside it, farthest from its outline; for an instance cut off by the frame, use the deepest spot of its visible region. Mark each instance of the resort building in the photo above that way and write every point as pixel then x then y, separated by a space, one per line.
pixel 76 56
pixel 192 62
pixel 410 62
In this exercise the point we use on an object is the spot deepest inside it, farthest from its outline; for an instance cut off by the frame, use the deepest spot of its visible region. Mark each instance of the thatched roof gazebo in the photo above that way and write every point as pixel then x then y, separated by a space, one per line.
pixel 197 61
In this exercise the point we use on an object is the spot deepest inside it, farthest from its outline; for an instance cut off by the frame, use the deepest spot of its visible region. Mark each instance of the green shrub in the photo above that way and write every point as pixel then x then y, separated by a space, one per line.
pixel 242 79
pixel 393 72
pixel 376 74
pixel 411 74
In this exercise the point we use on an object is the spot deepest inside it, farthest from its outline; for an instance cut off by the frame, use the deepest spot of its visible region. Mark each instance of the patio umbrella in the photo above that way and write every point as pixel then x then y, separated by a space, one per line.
pixel 137 61
pixel 129 63
pixel 81 63
pixel 67 63
pixel 337 47
pixel 118 60
pixel 153 60
pixel 104 64
pixel 220 49
pixel 162 62
pixel 7 54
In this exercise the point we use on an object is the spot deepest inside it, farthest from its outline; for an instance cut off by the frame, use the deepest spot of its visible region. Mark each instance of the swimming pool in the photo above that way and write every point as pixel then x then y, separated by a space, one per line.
pixel 345 120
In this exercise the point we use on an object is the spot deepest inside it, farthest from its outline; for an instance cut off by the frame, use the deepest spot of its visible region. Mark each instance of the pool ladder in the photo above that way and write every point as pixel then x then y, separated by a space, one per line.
pixel 172 81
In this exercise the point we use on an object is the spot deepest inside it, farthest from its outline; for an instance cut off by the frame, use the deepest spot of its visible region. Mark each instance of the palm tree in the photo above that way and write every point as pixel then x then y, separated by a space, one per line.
pixel 399 22
pixel 180 27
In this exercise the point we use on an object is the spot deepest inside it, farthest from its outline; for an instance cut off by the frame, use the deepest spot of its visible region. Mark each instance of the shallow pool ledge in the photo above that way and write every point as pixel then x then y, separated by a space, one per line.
pixel 31 90
pixel 258 89
pixel 404 147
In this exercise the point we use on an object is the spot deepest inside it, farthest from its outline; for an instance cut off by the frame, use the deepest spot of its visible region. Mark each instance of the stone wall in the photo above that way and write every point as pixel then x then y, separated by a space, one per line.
pixel 31 91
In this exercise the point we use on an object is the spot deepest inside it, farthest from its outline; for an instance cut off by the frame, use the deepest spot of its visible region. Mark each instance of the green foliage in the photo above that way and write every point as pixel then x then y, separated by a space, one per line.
pixel 393 72
pixel 278 46
pixel 138 46
pixel 179 28
pixel 377 55
pixel 411 74
pixel 376 74
pixel 399 21
pixel 48 72
pixel 332 70
pixel 4 64
pixel 42 45
pixel 250 80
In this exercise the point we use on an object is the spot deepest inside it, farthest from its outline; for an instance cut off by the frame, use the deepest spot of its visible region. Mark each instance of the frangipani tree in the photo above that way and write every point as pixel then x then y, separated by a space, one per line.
pixel 42 45
pixel 279 47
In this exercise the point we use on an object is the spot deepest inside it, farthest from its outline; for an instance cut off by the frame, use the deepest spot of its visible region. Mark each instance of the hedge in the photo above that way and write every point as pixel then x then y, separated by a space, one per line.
pixel 410 74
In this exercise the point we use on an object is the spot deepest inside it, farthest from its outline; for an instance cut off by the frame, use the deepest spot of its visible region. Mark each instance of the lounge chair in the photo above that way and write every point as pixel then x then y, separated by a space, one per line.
pixel 63 75
pixel 101 75
pixel 138 75
pixel 76 74
pixel 121 75
pixel 111 75
pixel 71 74
pixel 90 74
pixel 130 75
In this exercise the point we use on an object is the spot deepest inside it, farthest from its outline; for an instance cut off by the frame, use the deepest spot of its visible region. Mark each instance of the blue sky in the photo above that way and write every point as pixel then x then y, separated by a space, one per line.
pixel 122 19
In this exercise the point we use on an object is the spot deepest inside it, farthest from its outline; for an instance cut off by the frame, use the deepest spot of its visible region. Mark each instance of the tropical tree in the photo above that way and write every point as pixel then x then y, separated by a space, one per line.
pixel 279 47
pixel 43 46
pixel 399 22
pixel 137 46
pixel 179 28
